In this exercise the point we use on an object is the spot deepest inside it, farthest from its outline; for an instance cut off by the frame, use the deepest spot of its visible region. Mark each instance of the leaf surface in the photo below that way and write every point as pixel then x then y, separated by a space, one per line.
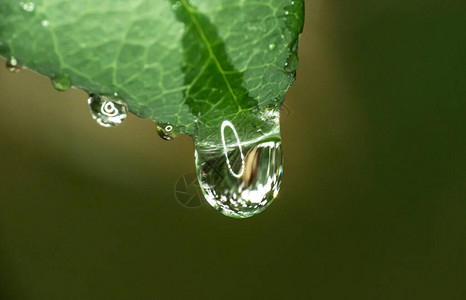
pixel 192 64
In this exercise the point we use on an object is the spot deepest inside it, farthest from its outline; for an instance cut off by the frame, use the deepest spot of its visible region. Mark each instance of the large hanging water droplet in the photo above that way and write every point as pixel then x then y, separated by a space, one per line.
pixel 61 82
pixel 167 131
pixel 240 180
pixel 107 110
pixel 12 65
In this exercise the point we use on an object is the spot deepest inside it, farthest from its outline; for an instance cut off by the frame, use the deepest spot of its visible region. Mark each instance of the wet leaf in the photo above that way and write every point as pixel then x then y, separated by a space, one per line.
pixel 191 64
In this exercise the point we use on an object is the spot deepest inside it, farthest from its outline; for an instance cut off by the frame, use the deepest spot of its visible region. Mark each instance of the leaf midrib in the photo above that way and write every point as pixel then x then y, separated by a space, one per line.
pixel 212 55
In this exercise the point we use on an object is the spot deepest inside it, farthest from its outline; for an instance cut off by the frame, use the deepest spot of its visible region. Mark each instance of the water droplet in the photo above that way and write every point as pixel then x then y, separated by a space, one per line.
pixel 271 46
pixel 45 23
pixel 12 65
pixel 167 131
pixel 287 12
pixel 61 82
pixel 291 63
pixel 240 180
pixel 107 110
pixel 292 2
pixel 27 6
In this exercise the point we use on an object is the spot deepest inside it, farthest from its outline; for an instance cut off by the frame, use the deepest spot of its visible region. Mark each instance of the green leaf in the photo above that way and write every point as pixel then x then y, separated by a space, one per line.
pixel 192 63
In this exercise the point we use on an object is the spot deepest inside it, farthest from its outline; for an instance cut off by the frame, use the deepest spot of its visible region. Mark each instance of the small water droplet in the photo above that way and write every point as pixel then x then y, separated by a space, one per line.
pixel 240 180
pixel 45 23
pixel 292 2
pixel 291 63
pixel 271 46
pixel 107 110
pixel 287 12
pixel 61 82
pixel 12 65
pixel 167 131
pixel 27 6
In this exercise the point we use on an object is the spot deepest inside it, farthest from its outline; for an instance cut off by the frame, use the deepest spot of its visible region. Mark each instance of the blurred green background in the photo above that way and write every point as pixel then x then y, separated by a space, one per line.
pixel 372 204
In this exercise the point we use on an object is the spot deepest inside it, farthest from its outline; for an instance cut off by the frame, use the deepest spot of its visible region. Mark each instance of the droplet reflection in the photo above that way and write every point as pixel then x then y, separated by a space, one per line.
pixel 248 194
pixel 107 110
pixel 167 131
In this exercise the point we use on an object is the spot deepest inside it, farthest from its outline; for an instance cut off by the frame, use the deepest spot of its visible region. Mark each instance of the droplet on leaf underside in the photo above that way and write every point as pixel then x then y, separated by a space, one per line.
pixel 61 82
pixel 167 131
pixel 12 65
pixel 107 110
pixel 240 179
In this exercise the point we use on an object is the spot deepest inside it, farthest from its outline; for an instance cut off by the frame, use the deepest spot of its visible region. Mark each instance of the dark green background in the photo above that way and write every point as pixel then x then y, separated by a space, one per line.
pixel 373 198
